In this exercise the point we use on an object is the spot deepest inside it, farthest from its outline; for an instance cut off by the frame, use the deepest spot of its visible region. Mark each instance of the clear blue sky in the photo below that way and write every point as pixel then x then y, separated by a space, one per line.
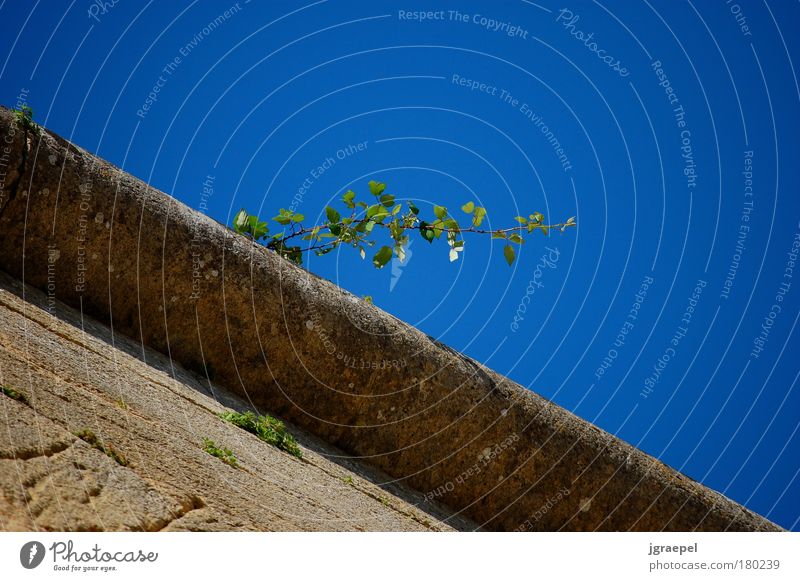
pixel 640 119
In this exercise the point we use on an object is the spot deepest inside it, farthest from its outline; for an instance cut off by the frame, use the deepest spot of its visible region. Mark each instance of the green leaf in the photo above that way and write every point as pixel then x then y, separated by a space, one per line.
pixel 440 212
pixel 348 198
pixel 284 220
pixel 478 215
pixel 396 209
pixel 469 207
pixel 395 230
pixel 516 238
pixel 387 200
pixel 537 217
pixel 333 215
pixel 521 220
pixel 426 231
pixel 509 253
pixel 376 188
pixel 545 230
pixel 378 210
pixel 260 230
pixel 255 228
pixel 498 235
pixel 451 224
pixel 438 228
pixel 413 208
pixel 383 256
pixel 298 217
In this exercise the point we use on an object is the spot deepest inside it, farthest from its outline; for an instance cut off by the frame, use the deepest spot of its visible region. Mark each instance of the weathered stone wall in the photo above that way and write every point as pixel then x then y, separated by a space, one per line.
pixel 70 374
pixel 300 346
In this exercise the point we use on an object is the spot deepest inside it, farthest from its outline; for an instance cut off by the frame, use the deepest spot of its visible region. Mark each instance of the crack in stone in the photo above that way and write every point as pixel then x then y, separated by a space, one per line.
pixel 38 452
pixel 191 504
pixel 14 186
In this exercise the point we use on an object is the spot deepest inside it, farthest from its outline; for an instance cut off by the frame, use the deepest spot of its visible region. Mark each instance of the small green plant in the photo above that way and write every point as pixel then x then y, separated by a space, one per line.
pixel 266 428
pixel 122 404
pixel 91 438
pixel 397 218
pixel 223 454
pixel 24 116
pixel 14 394
pixel 348 480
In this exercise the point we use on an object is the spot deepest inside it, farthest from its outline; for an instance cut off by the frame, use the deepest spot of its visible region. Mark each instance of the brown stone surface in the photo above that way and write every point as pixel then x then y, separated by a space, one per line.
pixel 312 353
pixel 76 376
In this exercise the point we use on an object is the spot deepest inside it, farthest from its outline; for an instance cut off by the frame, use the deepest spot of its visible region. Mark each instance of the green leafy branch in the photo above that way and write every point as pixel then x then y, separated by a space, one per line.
pixel 397 218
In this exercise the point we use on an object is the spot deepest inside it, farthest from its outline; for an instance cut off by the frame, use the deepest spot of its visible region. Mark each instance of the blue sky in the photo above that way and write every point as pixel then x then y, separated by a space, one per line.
pixel 668 128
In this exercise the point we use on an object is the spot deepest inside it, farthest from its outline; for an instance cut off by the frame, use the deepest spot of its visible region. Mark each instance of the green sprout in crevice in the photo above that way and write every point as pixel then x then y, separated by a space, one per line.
pixel 24 116
pixel 106 448
pixel 266 428
pixel 14 394
pixel 223 454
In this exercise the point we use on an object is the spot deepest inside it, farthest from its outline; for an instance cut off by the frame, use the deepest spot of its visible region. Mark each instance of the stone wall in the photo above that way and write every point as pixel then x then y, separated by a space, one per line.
pixel 307 350
pixel 149 472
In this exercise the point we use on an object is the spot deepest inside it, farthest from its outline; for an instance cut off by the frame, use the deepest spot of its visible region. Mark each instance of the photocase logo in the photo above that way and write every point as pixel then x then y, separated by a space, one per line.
pixel 31 554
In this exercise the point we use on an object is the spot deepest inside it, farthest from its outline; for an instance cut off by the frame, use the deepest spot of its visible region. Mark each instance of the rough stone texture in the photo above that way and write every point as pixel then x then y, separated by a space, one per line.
pixel 76 375
pixel 312 353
